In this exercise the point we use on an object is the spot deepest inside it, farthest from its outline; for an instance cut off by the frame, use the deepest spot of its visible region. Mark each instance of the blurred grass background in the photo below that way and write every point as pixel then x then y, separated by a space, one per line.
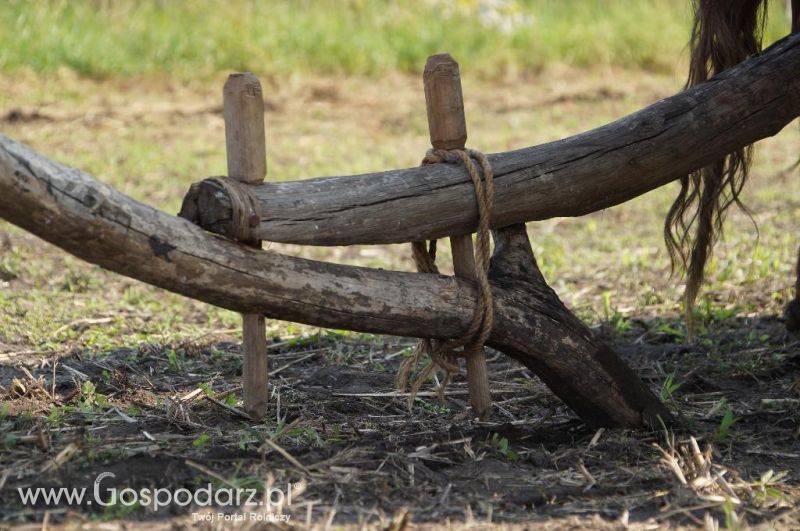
pixel 106 38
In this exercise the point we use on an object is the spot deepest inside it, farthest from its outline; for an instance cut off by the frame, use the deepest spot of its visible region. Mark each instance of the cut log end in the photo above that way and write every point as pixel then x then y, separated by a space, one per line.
pixel 208 205
pixel 439 61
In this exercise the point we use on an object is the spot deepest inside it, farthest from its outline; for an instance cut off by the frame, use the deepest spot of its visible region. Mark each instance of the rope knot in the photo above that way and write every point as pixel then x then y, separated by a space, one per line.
pixel 443 353
pixel 437 156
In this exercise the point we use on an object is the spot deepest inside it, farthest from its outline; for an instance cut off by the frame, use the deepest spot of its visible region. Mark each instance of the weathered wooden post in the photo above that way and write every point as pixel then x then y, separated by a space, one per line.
pixel 245 141
pixel 448 130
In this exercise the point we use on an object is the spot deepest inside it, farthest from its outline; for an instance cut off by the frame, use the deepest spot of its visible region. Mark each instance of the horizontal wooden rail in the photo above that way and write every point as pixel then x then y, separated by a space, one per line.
pixel 103 226
pixel 570 177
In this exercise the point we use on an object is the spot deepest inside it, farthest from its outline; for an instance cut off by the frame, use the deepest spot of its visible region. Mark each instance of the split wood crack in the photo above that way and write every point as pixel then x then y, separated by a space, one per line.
pixel 530 323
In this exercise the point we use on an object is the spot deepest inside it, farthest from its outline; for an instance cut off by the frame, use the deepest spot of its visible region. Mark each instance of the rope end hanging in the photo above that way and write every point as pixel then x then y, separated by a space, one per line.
pixel 443 354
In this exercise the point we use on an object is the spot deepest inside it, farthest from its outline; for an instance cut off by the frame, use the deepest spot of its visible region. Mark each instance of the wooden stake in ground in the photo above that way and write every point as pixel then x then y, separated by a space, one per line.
pixel 245 141
pixel 70 209
pixel 448 130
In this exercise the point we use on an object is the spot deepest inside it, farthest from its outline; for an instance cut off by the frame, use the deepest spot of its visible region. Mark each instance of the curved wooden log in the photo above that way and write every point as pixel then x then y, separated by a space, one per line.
pixel 101 225
pixel 571 177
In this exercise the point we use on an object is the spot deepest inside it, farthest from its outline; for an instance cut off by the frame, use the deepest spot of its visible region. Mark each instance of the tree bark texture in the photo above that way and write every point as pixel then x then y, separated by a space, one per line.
pixel 103 226
pixel 570 177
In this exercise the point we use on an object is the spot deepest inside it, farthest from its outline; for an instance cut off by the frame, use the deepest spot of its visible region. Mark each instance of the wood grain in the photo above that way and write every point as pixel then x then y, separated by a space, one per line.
pixel 447 125
pixel 570 177
pixel 245 136
pixel 103 226
pixel 243 109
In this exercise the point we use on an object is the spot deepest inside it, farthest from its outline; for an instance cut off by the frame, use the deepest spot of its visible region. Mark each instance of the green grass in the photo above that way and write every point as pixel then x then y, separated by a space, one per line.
pixel 152 137
pixel 190 40
pixel 609 267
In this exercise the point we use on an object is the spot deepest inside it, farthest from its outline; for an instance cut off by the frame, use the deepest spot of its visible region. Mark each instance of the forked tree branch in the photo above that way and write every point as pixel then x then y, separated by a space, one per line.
pixel 103 226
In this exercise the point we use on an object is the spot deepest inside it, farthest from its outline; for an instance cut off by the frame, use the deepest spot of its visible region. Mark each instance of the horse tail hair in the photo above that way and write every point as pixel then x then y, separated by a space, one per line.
pixel 795 14
pixel 724 33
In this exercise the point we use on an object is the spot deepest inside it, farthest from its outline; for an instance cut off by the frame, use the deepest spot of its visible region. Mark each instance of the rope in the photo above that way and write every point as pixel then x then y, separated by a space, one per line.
pixel 442 353
pixel 245 213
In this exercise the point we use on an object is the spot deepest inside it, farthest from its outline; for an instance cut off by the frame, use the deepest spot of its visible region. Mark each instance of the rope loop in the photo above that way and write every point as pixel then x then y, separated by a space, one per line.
pixel 443 354
pixel 245 212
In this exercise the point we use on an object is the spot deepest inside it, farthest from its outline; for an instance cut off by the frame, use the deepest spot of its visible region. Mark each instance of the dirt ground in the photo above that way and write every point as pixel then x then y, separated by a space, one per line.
pixel 363 458
pixel 103 374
